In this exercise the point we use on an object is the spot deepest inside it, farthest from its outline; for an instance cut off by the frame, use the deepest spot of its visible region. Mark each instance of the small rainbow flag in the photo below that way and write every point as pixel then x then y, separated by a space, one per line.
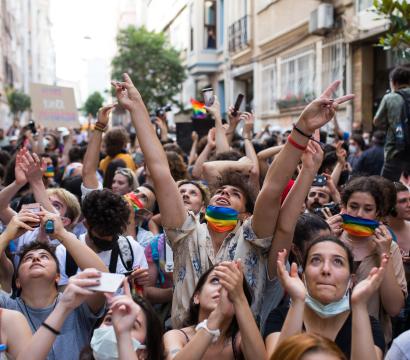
pixel 198 109
pixel 357 226
pixel 221 219
pixel 49 171
pixel 134 200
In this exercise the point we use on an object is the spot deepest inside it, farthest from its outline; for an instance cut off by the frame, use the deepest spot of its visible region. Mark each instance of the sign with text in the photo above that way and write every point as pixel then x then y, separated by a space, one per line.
pixel 54 106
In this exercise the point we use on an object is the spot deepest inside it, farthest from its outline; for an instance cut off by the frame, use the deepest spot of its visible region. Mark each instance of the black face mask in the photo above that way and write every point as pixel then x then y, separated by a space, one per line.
pixel 101 244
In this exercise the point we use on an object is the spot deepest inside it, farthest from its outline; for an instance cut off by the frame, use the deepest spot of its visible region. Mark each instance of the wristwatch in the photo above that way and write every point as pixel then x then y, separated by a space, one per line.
pixel 204 325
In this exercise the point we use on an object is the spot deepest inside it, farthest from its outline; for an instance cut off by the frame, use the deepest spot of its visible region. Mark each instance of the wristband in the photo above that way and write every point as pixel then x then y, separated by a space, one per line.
pixel 204 325
pixel 295 144
pixel 99 127
pixel 48 327
pixel 301 132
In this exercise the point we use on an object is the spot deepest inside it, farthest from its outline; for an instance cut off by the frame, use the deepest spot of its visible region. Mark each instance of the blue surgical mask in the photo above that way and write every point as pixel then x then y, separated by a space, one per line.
pixel 104 344
pixel 329 310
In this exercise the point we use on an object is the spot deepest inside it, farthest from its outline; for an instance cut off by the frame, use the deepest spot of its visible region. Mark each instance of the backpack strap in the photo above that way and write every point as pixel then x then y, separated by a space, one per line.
pixel 114 258
pixel 123 249
pixel 71 267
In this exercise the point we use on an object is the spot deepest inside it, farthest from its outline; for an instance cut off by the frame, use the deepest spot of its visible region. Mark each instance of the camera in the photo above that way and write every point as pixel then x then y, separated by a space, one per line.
pixel 32 126
pixel 160 111
pixel 333 207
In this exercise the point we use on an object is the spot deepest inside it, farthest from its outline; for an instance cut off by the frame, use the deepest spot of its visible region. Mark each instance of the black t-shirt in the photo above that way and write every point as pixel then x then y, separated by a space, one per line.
pixel 343 339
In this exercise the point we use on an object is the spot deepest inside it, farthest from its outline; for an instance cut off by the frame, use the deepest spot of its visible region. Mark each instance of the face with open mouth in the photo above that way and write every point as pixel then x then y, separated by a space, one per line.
pixel 192 197
pixel 229 196
pixel 38 263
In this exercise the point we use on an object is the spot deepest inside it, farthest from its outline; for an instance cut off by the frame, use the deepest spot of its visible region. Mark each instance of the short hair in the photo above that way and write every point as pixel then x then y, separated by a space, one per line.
pixel 359 140
pixel 76 154
pixel 297 346
pixel 333 239
pixel 227 155
pixel 367 185
pixel 37 245
pixel 201 187
pixel 400 187
pixel 177 166
pixel 307 227
pixel 400 75
pixel 70 200
pixel 106 212
pixel 389 194
pixel 237 180
pixel 115 140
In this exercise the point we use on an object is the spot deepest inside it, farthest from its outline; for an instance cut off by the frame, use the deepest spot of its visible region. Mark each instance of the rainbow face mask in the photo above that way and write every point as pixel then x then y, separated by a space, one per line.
pixel 356 226
pixel 137 205
pixel 221 219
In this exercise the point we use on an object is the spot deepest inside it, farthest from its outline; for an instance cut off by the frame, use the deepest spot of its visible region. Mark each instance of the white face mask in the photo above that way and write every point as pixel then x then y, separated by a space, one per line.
pixel 104 344
pixel 329 310
pixel 352 149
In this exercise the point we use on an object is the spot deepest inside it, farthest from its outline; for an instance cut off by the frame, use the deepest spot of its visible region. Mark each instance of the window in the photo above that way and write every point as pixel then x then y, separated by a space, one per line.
pixel 363 4
pixel 298 74
pixel 333 64
pixel 269 88
pixel 210 24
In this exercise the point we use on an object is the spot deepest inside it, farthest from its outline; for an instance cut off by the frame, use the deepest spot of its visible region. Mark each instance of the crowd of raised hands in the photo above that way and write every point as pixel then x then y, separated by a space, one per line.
pixel 238 249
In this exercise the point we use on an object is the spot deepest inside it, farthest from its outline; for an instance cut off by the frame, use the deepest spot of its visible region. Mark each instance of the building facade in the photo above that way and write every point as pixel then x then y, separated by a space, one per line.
pixel 279 53
pixel 26 48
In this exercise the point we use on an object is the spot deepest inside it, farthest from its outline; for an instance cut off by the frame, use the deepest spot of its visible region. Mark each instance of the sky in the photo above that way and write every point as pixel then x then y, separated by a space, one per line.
pixel 84 33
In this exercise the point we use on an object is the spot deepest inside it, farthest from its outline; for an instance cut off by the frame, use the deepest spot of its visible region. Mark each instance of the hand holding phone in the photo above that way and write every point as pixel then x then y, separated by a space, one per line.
pixel 208 94
pixel 108 283
pixel 237 105
pixel 35 209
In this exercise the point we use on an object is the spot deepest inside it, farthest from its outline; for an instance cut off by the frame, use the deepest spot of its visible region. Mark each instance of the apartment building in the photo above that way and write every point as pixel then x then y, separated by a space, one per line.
pixel 26 48
pixel 279 53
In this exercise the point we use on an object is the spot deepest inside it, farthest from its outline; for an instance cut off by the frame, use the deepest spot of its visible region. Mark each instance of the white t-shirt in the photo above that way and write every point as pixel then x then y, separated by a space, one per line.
pixel 105 256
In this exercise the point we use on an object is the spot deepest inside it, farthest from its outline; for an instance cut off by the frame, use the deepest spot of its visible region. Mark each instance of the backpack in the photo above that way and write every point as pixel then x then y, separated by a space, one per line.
pixel 122 247
pixel 402 131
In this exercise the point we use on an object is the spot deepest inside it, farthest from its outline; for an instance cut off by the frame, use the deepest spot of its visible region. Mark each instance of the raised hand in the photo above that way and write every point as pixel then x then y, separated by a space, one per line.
pixel 103 114
pixel 230 276
pixel 194 136
pixel 312 157
pixel 341 153
pixel 382 238
pixel 124 313
pixel 76 291
pixel 335 222
pixel 20 223
pixel 59 229
pixel 20 168
pixel 321 110
pixel 127 94
pixel 233 120
pixel 215 108
pixel 248 118
pixel 366 288
pixel 34 167
pixel 140 276
pixel 291 282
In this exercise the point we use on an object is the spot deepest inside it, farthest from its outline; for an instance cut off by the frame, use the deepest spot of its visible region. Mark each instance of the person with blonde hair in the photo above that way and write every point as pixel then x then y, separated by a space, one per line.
pixel 307 347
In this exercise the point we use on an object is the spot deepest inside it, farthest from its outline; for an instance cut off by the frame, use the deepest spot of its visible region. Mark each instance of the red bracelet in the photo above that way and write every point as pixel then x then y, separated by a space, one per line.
pixel 295 144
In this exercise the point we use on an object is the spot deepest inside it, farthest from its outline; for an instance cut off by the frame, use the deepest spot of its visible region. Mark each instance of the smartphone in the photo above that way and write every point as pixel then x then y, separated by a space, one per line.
pixel 108 283
pixel 32 127
pixel 237 105
pixel 319 180
pixel 34 208
pixel 208 94
pixel 333 207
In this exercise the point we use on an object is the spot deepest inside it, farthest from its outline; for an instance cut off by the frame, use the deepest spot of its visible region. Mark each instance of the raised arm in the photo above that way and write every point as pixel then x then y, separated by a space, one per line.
pixel 170 202
pixel 233 123
pixel 341 162
pixel 231 278
pixel 91 157
pixel 73 296
pixel 192 154
pixel 250 150
pixel 291 208
pixel 363 346
pixel 220 137
pixel 294 286
pixel 315 115
pixel 204 155
pixel 212 171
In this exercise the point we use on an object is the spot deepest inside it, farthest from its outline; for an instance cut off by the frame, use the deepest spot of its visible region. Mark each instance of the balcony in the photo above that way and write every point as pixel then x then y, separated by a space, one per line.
pixel 238 34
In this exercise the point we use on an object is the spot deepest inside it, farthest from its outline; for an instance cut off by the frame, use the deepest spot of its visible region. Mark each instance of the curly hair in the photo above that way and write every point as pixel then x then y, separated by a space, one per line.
pixel 115 141
pixel 177 166
pixel 366 185
pixel 105 211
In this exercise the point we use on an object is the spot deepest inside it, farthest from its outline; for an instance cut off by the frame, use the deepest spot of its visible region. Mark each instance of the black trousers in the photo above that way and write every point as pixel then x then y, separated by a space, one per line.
pixel 393 168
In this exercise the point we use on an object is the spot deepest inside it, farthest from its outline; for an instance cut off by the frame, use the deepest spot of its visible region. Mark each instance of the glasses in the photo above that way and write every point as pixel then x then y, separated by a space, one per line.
pixel 125 172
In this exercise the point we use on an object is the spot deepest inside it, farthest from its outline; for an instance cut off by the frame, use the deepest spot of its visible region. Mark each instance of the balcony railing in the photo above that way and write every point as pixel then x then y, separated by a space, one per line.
pixel 239 35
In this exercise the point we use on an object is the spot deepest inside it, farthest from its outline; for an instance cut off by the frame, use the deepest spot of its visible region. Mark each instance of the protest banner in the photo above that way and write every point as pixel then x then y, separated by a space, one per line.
pixel 53 106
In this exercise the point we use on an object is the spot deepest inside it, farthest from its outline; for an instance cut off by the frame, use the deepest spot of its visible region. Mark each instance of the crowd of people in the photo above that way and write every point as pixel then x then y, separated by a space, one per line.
pixel 268 245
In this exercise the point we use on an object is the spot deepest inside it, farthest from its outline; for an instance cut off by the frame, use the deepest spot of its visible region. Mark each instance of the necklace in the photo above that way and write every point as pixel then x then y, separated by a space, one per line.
pixel 28 314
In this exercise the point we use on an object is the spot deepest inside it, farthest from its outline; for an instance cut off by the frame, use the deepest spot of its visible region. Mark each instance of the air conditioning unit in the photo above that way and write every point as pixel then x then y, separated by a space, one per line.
pixel 321 19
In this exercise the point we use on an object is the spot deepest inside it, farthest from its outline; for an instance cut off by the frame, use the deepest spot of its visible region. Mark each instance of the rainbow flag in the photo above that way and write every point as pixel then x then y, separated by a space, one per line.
pixel 221 219
pixel 134 200
pixel 357 226
pixel 198 109
pixel 49 171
